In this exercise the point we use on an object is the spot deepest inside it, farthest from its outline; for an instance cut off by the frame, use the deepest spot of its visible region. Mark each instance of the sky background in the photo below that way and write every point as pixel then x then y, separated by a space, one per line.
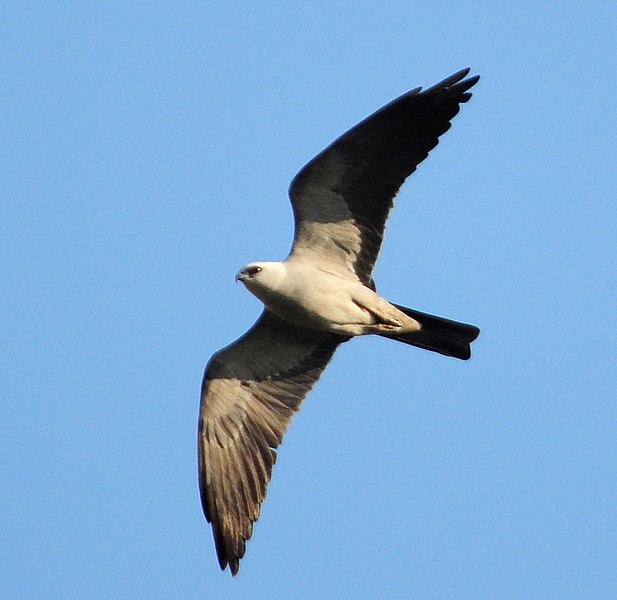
pixel 146 153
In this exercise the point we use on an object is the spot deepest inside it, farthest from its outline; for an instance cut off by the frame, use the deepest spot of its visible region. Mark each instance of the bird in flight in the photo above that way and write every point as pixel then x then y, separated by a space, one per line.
pixel 322 295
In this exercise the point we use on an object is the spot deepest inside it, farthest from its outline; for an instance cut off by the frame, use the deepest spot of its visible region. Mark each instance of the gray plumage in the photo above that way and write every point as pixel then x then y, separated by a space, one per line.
pixel 320 296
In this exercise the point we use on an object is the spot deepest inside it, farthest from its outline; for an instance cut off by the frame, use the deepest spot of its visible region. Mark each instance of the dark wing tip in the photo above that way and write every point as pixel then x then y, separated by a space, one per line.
pixel 225 553
pixel 456 84
pixel 451 79
pixel 228 552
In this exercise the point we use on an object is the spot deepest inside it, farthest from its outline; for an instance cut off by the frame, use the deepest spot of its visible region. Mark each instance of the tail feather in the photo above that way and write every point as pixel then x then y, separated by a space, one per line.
pixel 438 334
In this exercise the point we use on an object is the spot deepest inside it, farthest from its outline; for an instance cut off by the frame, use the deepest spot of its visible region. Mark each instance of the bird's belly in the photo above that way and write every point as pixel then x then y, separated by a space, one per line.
pixel 326 307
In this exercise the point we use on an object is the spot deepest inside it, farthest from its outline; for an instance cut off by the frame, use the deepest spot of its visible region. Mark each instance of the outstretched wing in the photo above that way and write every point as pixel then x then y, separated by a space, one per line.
pixel 250 392
pixel 341 199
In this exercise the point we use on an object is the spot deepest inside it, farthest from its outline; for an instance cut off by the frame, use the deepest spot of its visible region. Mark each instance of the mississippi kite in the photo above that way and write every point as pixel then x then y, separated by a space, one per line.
pixel 320 296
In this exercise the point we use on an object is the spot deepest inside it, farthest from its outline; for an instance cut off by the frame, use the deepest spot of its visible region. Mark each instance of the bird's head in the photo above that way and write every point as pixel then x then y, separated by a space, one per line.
pixel 259 277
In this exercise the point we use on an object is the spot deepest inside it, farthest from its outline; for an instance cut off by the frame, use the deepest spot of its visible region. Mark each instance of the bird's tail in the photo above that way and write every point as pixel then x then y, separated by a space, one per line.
pixel 438 334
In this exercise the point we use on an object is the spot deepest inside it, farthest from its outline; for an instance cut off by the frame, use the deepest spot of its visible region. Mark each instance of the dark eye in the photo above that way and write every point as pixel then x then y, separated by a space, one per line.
pixel 252 271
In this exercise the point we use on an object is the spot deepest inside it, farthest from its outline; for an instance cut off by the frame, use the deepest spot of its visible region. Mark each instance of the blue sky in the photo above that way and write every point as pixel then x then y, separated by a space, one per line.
pixel 147 150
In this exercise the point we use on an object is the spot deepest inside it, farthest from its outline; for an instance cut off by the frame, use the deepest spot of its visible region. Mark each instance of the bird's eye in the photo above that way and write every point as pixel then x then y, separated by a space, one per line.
pixel 252 271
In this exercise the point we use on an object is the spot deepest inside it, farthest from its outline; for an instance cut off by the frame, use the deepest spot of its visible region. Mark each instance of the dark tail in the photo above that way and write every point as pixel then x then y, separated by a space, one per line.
pixel 439 334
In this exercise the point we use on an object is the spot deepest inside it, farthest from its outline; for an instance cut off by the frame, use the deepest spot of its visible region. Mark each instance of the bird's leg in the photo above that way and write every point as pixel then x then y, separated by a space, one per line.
pixel 382 320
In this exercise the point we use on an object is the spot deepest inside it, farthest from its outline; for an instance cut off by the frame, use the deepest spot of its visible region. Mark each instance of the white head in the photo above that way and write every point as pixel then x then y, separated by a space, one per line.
pixel 262 277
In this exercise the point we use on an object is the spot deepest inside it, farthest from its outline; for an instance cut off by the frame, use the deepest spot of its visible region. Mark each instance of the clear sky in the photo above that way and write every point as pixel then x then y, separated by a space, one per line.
pixel 146 153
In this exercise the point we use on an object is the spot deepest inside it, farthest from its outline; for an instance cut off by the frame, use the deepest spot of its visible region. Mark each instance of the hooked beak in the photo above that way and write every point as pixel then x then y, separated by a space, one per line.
pixel 241 276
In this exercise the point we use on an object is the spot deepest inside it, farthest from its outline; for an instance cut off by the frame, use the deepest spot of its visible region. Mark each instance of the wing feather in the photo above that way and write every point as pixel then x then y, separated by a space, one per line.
pixel 341 199
pixel 250 392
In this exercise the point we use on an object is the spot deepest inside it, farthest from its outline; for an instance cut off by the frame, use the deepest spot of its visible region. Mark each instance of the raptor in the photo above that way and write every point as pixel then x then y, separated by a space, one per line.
pixel 322 295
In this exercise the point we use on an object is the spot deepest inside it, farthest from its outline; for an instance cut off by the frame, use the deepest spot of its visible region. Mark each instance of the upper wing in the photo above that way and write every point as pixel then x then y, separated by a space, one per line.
pixel 341 199
pixel 250 392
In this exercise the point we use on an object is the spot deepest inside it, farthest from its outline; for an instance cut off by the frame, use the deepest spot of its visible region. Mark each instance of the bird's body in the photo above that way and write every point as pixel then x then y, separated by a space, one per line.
pixel 306 295
pixel 322 295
